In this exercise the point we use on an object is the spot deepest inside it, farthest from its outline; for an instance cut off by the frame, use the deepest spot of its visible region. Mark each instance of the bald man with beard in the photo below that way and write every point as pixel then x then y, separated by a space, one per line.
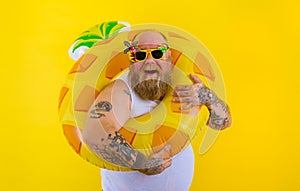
pixel 134 94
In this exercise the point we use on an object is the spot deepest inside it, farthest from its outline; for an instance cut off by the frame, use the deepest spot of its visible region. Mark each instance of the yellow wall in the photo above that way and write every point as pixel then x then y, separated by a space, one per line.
pixel 255 42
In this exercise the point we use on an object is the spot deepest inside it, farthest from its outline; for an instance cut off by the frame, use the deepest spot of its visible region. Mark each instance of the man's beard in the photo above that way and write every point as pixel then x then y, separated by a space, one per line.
pixel 150 89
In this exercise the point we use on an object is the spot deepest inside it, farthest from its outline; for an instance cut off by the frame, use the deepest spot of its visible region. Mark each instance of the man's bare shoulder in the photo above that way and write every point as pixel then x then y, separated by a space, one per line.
pixel 117 87
pixel 118 94
pixel 118 102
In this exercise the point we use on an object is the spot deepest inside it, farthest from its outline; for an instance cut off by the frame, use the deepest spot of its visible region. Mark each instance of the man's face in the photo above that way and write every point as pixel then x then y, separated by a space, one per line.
pixel 151 77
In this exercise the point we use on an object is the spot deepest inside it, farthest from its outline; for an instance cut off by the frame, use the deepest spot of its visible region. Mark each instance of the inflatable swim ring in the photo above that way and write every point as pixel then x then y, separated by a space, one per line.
pixel 95 34
pixel 104 62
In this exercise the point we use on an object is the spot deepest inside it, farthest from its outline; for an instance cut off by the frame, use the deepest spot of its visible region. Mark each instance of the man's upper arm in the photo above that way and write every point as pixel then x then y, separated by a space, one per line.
pixel 109 112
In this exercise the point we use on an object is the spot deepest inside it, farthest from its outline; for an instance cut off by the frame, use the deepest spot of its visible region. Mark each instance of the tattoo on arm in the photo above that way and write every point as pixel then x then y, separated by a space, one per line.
pixel 119 143
pixel 116 150
pixel 148 166
pixel 99 108
pixel 218 109
pixel 219 115
pixel 206 96
pixel 217 121
pixel 152 166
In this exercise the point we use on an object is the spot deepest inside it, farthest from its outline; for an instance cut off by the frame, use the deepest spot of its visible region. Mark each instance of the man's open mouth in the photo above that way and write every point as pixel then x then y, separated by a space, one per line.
pixel 150 71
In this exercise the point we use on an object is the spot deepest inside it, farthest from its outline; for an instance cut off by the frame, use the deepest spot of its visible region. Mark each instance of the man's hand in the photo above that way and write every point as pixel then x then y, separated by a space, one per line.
pixel 194 95
pixel 157 162
pixel 198 94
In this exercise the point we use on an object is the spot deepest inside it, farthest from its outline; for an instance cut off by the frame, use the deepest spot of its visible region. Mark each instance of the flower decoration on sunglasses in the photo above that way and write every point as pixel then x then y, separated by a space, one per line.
pixel 131 47
pixel 164 48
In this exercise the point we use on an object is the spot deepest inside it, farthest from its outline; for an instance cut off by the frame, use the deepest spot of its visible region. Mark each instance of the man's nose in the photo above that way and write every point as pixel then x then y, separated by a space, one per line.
pixel 150 61
pixel 149 58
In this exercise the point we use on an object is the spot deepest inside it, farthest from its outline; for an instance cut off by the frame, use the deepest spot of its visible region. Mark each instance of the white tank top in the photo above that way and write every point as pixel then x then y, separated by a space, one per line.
pixel 178 177
pixel 139 106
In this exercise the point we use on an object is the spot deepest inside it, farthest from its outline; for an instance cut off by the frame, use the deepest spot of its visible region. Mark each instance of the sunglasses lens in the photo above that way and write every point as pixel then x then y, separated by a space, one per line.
pixel 140 55
pixel 157 54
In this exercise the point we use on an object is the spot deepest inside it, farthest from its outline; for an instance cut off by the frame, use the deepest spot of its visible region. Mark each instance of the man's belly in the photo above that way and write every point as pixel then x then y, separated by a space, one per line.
pixel 178 177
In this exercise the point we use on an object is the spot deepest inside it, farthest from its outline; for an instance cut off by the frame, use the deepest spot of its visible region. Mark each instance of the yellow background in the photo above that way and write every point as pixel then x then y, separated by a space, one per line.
pixel 255 42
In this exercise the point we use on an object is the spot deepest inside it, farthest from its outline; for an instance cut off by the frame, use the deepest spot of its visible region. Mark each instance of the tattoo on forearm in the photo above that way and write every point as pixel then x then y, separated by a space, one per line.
pixel 139 162
pixel 217 121
pixel 99 108
pixel 219 113
pixel 153 166
pixel 108 155
pixel 116 150
pixel 218 109
pixel 119 143
pixel 206 96
pixel 95 114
